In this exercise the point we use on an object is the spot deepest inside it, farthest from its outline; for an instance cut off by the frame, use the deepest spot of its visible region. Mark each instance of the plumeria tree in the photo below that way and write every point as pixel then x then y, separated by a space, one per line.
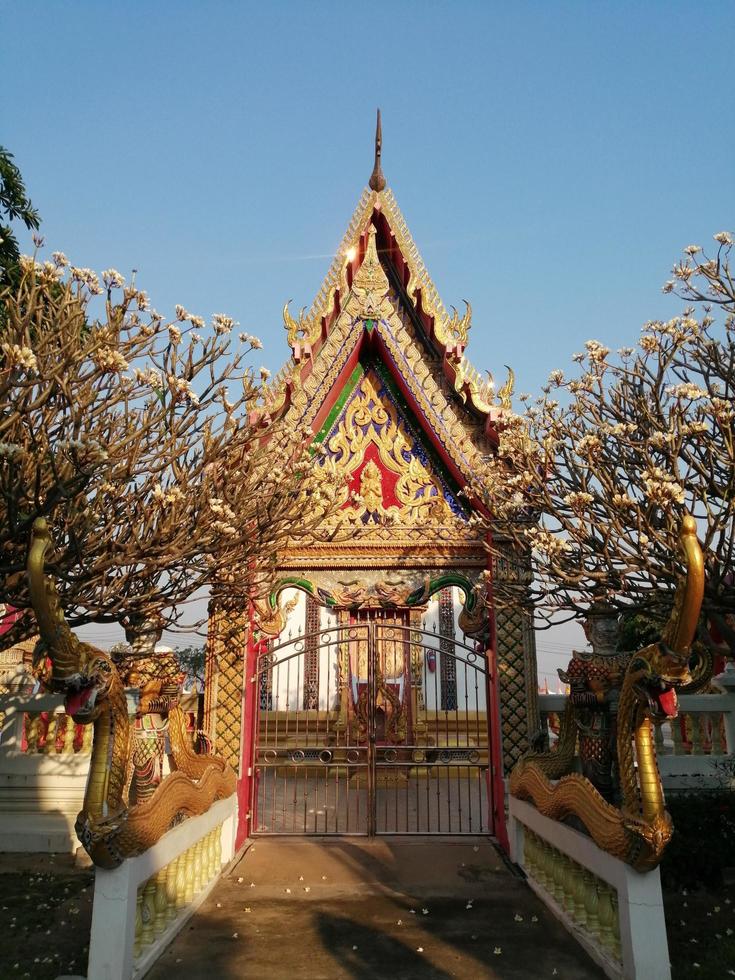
pixel 146 445
pixel 15 205
pixel 591 479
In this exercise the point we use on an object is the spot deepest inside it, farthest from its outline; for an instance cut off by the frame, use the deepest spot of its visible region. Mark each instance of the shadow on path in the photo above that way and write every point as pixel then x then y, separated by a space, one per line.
pixel 365 953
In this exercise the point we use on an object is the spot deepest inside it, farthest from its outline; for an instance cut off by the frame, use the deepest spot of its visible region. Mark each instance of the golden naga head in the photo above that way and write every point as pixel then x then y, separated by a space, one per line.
pixel 658 669
pixel 81 673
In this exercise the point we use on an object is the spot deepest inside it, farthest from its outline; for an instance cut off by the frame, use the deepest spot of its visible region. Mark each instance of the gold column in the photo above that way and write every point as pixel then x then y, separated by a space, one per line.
pixel 189 876
pixel 181 881
pixel 33 732
pixel 516 665
pixel 148 912
pixel 226 650
pixel 138 922
pixel 69 733
pixel 172 872
pixel 418 704
pixel 160 903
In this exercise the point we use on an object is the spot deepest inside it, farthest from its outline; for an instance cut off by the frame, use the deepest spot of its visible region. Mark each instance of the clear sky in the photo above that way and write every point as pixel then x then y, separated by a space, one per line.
pixel 551 159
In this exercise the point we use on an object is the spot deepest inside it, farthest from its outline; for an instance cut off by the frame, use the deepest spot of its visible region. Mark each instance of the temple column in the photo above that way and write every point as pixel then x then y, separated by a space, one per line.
pixel 516 666
pixel 227 637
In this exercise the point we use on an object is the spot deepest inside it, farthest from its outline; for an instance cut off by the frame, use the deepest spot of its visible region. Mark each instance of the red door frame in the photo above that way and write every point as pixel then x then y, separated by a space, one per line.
pixel 245 816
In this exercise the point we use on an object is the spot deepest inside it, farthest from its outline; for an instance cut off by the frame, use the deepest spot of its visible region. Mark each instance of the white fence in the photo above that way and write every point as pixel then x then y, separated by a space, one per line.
pixel 44 761
pixel 695 750
pixel 140 906
pixel 614 912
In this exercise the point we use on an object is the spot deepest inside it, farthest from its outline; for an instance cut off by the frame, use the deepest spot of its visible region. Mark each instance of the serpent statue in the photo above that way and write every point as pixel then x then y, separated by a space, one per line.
pixel 109 828
pixel 637 832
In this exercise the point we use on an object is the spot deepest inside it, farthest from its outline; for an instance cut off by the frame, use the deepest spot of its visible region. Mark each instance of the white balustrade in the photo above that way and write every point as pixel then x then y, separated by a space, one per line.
pixel 140 906
pixel 44 763
pixel 614 912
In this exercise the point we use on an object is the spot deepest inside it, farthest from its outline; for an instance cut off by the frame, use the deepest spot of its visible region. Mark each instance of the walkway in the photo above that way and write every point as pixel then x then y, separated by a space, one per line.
pixel 300 909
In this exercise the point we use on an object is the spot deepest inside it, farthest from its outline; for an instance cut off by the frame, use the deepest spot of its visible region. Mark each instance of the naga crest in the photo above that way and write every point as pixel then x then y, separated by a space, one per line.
pixel 639 830
pixel 458 329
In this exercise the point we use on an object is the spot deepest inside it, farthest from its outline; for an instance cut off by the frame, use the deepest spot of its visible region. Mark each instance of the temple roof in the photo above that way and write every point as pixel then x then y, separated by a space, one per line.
pixel 377 300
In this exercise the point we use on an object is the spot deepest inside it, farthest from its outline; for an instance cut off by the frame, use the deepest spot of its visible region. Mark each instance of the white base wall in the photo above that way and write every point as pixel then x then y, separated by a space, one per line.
pixel 643 943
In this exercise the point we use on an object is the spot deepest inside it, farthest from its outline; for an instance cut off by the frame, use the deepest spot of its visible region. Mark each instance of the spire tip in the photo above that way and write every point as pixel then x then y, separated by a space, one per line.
pixel 377 180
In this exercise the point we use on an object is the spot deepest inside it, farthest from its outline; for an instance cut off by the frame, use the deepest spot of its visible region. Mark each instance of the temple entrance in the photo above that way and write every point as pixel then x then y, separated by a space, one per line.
pixel 371 727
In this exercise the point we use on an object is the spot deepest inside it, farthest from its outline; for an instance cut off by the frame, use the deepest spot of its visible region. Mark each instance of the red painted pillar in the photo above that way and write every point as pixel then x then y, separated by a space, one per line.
pixel 248 728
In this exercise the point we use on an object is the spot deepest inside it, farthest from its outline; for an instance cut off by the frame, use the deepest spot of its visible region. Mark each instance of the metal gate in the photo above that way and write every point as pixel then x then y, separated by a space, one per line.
pixel 368 728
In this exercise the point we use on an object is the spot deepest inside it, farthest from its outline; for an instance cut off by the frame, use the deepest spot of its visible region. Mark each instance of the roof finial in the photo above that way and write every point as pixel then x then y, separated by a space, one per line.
pixel 377 180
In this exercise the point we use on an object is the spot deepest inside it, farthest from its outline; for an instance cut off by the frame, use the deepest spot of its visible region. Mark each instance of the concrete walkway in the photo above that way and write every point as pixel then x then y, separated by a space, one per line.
pixel 296 908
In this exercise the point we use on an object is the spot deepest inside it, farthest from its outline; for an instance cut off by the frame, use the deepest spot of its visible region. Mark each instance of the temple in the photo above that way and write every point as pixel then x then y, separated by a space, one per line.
pixel 376 690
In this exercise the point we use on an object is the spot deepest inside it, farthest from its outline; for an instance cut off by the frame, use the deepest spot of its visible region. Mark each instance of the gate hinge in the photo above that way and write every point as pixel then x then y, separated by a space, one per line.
pixel 253 678
pixel 247 815
pixel 250 770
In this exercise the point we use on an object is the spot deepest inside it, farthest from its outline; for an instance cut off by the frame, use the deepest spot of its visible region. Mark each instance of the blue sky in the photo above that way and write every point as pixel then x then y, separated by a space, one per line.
pixel 551 159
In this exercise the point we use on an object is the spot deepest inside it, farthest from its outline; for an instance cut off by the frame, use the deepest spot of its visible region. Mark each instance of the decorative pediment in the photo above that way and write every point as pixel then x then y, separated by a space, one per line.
pixel 379 374
pixel 392 479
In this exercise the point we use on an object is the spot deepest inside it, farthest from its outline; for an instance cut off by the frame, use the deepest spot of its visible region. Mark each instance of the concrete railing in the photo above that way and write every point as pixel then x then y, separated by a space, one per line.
pixel 140 906
pixel 695 750
pixel 614 912
pixel 44 761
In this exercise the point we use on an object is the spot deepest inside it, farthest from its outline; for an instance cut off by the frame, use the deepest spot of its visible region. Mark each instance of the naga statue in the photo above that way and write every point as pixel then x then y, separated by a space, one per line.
pixel 638 831
pixel 110 826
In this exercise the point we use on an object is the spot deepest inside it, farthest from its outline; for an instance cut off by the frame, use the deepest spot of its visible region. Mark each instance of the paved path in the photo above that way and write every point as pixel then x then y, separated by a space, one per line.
pixel 340 909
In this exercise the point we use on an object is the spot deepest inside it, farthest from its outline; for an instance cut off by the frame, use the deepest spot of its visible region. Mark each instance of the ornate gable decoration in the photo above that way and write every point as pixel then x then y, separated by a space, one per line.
pixel 378 310
pixel 392 482
pixel 369 294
